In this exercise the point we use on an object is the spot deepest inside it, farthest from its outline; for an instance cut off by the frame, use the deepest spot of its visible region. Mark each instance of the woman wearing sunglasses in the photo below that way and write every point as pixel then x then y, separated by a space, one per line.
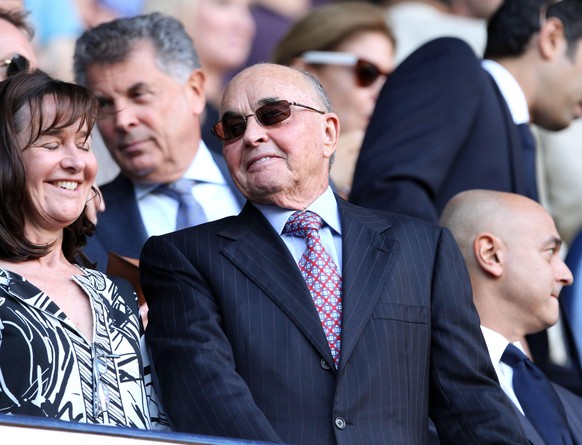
pixel 349 48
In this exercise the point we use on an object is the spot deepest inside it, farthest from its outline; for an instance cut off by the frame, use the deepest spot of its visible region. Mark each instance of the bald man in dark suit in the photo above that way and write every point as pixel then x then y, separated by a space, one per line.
pixel 512 250
pixel 306 319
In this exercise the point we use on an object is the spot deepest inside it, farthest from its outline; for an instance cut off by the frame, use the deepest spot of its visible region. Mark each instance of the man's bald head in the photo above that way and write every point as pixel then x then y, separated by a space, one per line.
pixel 511 247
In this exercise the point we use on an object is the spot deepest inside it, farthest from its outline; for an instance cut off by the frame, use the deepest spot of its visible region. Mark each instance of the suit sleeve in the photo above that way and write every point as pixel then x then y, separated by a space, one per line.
pixel 199 385
pixel 422 117
pixel 466 402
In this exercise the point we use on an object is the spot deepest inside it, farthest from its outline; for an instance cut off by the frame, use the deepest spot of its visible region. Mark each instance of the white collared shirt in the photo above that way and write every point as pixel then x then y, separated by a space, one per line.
pixel 159 211
pixel 496 344
pixel 330 233
pixel 510 90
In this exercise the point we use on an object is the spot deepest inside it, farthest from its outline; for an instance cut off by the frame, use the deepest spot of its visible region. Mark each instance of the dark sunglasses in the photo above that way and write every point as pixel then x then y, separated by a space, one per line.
pixel 365 71
pixel 234 126
pixel 16 64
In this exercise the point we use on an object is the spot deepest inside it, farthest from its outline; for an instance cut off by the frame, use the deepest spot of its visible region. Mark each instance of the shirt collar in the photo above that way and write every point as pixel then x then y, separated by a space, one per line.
pixel 510 90
pixel 325 206
pixel 202 169
pixel 496 344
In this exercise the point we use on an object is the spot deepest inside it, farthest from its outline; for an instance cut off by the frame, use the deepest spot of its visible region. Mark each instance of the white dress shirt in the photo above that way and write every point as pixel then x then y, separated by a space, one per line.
pixel 496 344
pixel 159 211
pixel 510 90
pixel 330 233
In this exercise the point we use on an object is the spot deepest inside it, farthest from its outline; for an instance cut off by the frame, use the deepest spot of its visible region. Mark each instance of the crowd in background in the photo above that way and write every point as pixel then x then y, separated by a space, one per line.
pixel 425 94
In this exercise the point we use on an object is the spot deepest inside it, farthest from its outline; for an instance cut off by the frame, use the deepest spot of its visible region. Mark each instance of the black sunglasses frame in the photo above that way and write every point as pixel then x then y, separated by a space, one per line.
pixel 223 129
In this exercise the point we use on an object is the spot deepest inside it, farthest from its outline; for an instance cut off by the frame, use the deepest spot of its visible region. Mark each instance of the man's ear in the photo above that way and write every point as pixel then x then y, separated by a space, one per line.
pixel 552 40
pixel 489 254
pixel 195 91
pixel 332 131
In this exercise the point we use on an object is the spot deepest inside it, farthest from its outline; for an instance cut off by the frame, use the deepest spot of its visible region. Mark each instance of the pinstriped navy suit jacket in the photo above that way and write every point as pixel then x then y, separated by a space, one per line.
pixel 240 351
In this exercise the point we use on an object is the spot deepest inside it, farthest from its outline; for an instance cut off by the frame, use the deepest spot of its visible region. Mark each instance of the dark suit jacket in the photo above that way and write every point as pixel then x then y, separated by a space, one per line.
pixel 573 406
pixel 440 126
pixel 120 228
pixel 240 351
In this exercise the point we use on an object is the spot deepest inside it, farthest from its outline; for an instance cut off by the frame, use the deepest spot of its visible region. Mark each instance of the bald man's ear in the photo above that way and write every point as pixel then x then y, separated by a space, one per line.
pixel 488 253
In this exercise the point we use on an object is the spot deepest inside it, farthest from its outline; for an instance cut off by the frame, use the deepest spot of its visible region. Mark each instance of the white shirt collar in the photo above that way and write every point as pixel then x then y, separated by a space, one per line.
pixel 325 206
pixel 496 344
pixel 202 169
pixel 510 90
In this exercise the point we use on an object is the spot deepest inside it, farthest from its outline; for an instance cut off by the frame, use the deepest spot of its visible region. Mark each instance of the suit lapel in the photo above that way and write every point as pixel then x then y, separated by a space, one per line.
pixel 532 435
pixel 122 228
pixel 368 258
pixel 258 251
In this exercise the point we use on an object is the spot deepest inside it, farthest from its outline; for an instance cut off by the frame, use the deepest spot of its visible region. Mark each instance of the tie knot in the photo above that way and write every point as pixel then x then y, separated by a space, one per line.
pixel 180 190
pixel 512 356
pixel 303 223
pixel 182 186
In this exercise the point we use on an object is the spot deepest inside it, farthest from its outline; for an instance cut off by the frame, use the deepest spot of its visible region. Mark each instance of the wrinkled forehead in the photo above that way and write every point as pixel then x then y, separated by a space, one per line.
pixel 253 87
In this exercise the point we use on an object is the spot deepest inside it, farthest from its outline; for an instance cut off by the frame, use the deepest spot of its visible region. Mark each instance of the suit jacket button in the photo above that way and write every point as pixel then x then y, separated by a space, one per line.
pixel 340 423
pixel 324 365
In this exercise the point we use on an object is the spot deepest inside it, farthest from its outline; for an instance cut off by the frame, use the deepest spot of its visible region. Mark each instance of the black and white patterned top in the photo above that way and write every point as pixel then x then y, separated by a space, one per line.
pixel 47 368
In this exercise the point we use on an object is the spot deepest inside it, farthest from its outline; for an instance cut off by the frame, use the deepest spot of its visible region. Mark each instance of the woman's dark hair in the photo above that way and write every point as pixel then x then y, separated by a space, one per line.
pixel 22 122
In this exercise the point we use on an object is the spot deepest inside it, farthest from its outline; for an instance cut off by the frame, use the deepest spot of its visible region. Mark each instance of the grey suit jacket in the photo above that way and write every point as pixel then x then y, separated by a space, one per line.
pixel 240 351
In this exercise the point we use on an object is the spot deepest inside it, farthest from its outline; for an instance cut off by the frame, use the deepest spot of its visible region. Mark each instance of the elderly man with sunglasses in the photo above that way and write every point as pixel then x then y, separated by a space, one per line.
pixel 16 51
pixel 308 320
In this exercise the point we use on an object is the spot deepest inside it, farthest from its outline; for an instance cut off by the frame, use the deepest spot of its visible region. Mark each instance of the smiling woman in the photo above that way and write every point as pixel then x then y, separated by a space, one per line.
pixel 70 344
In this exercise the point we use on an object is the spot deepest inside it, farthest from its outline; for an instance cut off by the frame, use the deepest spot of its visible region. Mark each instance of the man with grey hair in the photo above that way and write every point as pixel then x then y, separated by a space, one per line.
pixel 145 72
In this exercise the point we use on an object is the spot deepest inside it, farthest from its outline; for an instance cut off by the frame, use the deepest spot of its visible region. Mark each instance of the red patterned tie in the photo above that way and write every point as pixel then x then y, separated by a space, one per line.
pixel 321 275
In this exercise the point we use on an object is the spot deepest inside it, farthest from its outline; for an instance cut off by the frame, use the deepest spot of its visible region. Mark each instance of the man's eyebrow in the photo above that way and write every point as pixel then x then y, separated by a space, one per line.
pixel 137 86
pixel 554 241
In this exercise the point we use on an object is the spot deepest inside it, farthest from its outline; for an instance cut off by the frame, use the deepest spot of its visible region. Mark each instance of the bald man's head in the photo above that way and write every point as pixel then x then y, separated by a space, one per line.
pixel 512 250
pixel 476 211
